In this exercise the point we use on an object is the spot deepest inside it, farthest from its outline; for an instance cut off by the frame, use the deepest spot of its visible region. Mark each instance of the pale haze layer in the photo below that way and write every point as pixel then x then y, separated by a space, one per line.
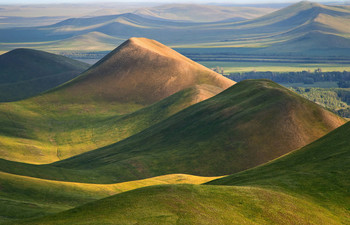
pixel 157 1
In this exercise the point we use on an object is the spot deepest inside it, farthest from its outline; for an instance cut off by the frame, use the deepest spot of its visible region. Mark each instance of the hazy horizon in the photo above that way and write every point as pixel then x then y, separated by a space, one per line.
pixel 162 1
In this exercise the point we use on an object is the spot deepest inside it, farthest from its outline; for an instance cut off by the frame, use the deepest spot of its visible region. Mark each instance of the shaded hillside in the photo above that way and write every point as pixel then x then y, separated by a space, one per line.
pixel 249 124
pixel 320 171
pixel 26 72
pixel 190 204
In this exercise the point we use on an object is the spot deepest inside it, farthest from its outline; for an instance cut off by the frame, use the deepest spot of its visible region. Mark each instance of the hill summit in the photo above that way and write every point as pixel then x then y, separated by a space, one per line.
pixel 142 71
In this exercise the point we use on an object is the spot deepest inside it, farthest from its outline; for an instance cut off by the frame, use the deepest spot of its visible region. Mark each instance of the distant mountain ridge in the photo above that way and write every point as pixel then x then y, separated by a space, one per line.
pixel 261 34
pixel 202 13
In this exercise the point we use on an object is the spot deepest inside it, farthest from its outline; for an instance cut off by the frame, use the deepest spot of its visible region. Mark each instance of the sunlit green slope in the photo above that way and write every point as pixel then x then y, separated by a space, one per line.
pixel 190 204
pixel 25 197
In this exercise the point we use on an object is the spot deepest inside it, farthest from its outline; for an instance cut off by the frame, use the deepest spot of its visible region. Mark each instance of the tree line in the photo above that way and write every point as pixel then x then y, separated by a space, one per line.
pixel 306 77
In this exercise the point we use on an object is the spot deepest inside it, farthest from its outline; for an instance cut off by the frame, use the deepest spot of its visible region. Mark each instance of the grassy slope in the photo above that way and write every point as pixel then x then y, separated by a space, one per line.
pixel 319 171
pixel 221 132
pixel 26 197
pixel 307 186
pixel 27 72
pixel 90 111
pixel 41 133
pixel 190 204
pixel 251 123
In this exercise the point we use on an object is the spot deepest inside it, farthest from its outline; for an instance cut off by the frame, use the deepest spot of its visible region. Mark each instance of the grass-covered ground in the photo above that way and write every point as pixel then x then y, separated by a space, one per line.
pixel 193 204
pixel 319 171
pixel 25 197
pixel 41 132
pixel 248 124
pixel 307 186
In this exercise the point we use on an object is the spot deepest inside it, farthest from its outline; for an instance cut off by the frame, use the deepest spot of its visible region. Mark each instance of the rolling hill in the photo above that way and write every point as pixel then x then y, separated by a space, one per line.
pixel 100 106
pixel 307 186
pixel 27 72
pixel 249 124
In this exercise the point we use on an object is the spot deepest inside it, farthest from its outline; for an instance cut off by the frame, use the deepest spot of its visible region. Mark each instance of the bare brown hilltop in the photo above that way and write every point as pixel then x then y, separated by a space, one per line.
pixel 142 71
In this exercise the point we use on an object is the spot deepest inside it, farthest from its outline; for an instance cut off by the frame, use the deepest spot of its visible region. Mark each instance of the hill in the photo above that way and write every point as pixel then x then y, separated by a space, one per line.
pixel 95 109
pixel 27 72
pixel 140 71
pixel 250 123
pixel 190 204
pixel 319 171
